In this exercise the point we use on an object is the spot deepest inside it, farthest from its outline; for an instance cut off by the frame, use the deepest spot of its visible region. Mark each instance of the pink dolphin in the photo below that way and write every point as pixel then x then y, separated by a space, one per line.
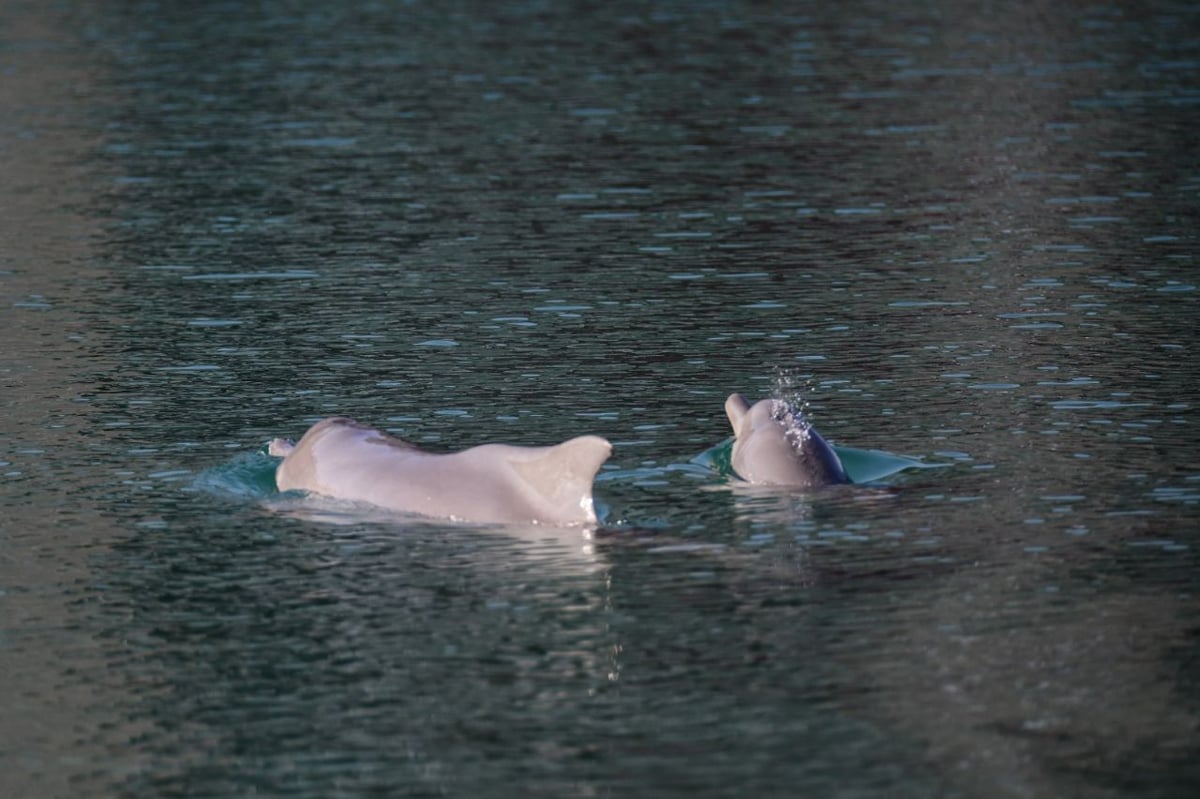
pixel 774 444
pixel 496 483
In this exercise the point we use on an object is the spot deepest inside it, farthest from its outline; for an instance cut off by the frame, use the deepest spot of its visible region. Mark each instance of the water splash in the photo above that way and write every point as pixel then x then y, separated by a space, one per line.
pixel 791 390
pixel 793 387
pixel 796 426
pixel 789 403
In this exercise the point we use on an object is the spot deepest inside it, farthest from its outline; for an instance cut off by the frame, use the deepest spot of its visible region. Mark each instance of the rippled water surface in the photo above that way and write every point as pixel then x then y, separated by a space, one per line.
pixel 964 234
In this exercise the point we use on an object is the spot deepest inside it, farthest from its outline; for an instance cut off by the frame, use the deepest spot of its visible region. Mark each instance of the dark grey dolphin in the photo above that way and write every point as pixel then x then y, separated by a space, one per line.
pixel 774 444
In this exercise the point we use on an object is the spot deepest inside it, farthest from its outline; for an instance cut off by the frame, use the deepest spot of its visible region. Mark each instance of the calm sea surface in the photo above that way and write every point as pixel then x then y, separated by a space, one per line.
pixel 965 233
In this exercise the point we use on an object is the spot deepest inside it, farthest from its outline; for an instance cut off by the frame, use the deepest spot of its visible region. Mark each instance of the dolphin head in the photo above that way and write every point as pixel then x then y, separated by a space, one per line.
pixel 775 444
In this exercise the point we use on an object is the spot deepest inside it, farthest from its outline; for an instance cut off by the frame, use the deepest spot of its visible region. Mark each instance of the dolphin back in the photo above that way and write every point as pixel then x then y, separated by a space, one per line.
pixel 492 483
pixel 823 464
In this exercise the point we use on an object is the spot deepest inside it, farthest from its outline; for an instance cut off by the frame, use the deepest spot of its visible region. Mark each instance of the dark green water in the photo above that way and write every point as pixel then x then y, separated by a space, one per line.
pixel 962 233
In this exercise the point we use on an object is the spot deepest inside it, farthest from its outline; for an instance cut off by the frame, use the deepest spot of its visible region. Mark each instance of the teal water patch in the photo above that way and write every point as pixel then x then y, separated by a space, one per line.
pixel 249 474
pixel 718 458
pixel 872 465
pixel 861 465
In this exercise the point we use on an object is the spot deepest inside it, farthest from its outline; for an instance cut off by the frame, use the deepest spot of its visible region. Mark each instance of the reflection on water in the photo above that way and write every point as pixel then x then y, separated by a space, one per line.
pixel 962 235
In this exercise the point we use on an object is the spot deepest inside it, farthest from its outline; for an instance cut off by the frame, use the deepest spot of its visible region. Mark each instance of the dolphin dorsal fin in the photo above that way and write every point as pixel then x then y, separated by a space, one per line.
pixel 563 474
